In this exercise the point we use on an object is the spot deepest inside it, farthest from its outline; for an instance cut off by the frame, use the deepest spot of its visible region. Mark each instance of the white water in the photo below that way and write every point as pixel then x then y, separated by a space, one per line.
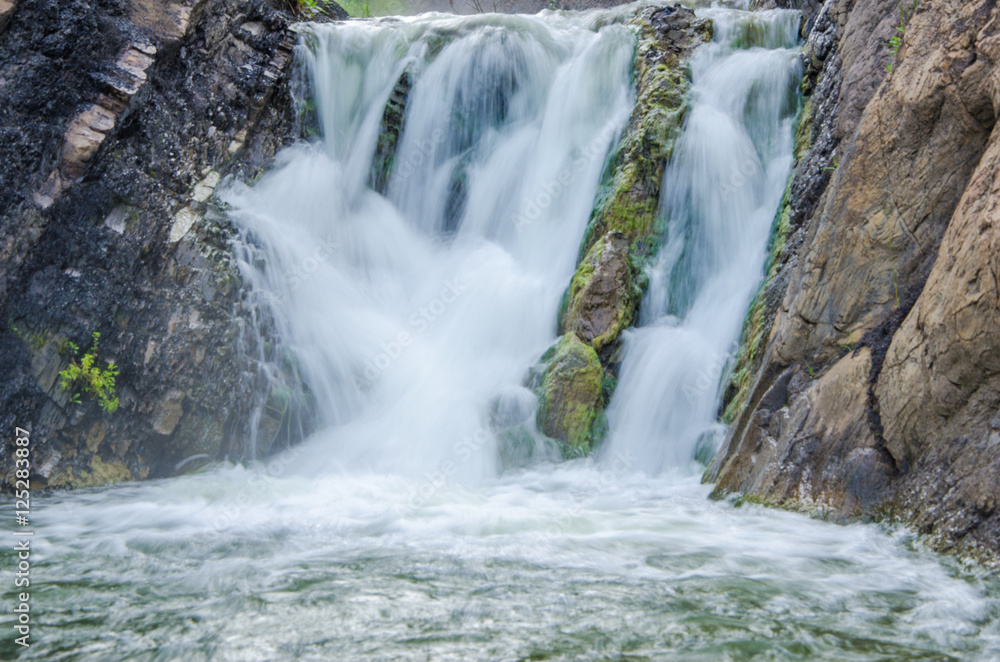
pixel 720 194
pixel 413 324
pixel 391 534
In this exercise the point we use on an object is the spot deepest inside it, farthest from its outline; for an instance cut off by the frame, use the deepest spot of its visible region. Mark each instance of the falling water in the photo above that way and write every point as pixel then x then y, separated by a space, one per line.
pixel 413 312
pixel 720 194
pixel 429 303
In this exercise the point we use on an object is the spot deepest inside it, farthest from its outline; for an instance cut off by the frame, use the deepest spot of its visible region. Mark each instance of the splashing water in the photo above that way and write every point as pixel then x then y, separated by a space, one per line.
pixel 434 300
pixel 414 313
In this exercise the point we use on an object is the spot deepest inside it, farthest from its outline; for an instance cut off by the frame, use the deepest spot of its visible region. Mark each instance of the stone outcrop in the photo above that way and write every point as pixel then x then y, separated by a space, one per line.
pixel 570 392
pixel 866 383
pixel 603 295
pixel 119 118
pixel 624 230
pixel 630 195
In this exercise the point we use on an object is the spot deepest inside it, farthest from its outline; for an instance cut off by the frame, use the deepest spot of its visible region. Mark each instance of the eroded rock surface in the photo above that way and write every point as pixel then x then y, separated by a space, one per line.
pixel 603 296
pixel 119 118
pixel 891 261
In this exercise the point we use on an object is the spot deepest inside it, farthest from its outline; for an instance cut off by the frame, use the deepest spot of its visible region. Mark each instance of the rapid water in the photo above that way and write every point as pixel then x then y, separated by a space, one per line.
pixel 392 533
pixel 720 193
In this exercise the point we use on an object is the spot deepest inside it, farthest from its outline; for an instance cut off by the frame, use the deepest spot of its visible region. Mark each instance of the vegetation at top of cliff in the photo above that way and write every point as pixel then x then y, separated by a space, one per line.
pixel 313 9
pixel 905 14
pixel 369 8
pixel 91 379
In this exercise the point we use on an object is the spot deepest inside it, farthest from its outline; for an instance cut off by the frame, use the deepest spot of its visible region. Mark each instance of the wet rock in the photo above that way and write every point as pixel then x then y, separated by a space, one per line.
pixel 119 119
pixel 603 296
pixel 390 129
pixel 569 393
pixel 629 200
pixel 890 256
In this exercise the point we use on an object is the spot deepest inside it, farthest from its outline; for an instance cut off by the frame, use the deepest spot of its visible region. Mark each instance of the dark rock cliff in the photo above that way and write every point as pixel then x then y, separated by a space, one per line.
pixel 867 379
pixel 119 118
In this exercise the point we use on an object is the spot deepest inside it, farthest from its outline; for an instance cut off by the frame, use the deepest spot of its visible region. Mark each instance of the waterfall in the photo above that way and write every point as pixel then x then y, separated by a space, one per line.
pixel 720 193
pixel 416 313
pixel 413 296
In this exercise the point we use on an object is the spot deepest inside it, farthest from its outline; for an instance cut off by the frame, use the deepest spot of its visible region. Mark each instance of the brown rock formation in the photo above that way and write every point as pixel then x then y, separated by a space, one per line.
pixel 911 194
pixel 603 297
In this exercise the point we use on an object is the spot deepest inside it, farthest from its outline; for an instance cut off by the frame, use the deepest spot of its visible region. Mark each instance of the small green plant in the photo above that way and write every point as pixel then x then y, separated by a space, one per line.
pixel 905 14
pixel 37 341
pixel 90 379
pixel 812 373
pixel 308 9
pixel 832 167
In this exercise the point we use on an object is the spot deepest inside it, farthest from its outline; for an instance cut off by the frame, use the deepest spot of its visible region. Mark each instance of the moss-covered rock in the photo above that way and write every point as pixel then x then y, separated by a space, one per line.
pixel 630 193
pixel 603 295
pixel 574 382
pixel 569 392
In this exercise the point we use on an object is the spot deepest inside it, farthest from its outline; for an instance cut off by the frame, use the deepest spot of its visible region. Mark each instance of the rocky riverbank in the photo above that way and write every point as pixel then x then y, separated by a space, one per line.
pixel 866 384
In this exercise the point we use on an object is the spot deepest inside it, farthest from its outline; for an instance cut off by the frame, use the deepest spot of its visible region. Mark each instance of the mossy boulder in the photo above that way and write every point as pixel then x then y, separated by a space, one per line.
pixel 570 392
pixel 603 296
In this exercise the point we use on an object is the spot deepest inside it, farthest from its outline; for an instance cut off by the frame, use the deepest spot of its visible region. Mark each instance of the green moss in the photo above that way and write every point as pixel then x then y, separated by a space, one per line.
pixel 101 473
pixel 570 393
pixel 756 324
pixel 629 197
pixel 803 132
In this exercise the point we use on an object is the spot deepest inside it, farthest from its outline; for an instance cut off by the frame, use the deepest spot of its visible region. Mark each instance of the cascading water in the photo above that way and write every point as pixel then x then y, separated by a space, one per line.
pixel 720 193
pixel 413 315
pixel 428 305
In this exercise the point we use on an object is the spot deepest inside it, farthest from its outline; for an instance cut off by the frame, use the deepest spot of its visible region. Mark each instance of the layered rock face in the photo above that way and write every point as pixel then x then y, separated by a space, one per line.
pixel 119 118
pixel 867 380
pixel 604 295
